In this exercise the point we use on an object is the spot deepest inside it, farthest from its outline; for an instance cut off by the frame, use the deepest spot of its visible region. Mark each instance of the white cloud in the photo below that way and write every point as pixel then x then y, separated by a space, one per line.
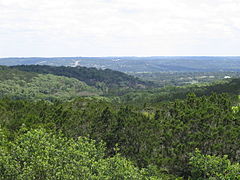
pixel 118 27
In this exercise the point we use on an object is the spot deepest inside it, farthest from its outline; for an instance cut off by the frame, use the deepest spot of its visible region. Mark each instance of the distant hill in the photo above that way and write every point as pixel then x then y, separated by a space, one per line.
pixel 18 84
pixel 106 80
pixel 231 87
pixel 171 93
pixel 138 64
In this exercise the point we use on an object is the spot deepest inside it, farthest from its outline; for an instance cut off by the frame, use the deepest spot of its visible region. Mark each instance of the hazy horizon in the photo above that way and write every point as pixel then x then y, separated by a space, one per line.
pixel 115 56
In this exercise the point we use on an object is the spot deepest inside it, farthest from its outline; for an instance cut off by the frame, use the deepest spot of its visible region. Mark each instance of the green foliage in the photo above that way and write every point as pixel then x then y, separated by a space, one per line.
pixel 161 135
pixel 108 81
pixel 213 167
pixel 39 154
pixel 155 138
pixel 13 74
pixel 171 93
pixel 19 85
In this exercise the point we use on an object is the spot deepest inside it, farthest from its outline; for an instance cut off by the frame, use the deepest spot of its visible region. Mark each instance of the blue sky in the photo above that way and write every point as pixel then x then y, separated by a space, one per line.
pixel 119 27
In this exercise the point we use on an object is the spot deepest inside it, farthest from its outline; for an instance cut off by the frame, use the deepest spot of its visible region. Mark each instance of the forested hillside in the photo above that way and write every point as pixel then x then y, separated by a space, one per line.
pixel 19 84
pixel 107 80
pixel 170 93
pixel 159 139
pixel 48 130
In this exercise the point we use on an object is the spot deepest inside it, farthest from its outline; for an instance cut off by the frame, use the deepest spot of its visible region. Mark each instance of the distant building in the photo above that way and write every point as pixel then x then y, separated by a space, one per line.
pixel 227 77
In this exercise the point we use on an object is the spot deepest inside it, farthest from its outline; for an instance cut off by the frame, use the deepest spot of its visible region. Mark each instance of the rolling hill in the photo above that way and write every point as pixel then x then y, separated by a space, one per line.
pixel 19 84
pixel 107 80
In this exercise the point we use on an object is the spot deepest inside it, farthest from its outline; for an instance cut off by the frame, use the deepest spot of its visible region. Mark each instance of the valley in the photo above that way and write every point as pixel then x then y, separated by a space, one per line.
pixel 105 123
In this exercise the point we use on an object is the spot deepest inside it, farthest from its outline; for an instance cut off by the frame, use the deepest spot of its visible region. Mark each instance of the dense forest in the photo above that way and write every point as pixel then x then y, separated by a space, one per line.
pixel 107 80
pixel 58 123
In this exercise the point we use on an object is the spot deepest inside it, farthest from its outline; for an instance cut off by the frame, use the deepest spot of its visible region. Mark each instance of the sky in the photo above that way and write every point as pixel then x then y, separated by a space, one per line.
pixel 54 28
